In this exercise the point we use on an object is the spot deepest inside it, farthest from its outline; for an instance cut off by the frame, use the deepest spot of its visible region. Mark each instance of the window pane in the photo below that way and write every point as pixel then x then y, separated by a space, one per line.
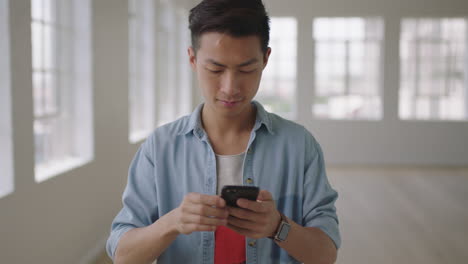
pixel 6 149
pixel 48 10
pixel 330 68
pixel 38 93
pixel 49 46
pixel 141 69
pixel 37 45
pixel 37 9
pixel 277 89
pixel 50 94
pixel 433 82
pixel 348 65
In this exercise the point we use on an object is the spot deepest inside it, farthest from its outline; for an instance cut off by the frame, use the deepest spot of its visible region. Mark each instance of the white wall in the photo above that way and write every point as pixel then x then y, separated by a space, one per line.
pixel 62 219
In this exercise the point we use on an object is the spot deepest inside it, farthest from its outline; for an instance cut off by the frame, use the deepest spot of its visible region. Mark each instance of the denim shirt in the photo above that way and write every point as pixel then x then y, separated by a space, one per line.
pixel 282 157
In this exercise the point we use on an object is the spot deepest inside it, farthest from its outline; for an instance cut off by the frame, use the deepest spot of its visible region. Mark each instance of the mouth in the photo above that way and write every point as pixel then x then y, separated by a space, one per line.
pixel 229 103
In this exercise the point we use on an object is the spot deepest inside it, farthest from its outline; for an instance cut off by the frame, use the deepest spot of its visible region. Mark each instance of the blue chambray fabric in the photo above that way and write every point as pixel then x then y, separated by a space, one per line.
pixel 282 157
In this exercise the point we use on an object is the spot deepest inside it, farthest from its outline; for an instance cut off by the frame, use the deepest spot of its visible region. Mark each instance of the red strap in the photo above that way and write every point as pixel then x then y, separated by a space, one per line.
pixel 229 246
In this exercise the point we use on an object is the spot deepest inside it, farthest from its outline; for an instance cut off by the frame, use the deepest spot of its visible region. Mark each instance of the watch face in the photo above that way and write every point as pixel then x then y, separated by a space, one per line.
pixel 283 232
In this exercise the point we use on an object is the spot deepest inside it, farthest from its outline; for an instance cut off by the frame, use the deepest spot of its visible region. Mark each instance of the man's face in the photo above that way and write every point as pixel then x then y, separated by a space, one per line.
pixel 228 70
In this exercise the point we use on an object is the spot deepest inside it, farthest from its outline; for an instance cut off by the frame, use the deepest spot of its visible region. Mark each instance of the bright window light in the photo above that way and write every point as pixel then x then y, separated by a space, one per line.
pixel 61 63
pixel 184 83
pixel 6 149
pixel 141 74
pixel 348 68
pixel 277 91
pixel 174 82
pixel 434 65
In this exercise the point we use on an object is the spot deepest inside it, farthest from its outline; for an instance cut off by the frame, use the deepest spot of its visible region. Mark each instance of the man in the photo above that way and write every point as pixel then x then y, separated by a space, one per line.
pixel 172 210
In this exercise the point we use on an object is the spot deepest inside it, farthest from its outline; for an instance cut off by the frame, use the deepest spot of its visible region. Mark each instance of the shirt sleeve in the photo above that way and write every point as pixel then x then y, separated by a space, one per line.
pixel 319 197
pixel 139 200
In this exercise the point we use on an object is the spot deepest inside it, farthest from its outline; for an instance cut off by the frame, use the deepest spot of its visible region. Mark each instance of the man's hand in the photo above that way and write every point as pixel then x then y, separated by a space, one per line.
pixel 255 219
pixel 200 212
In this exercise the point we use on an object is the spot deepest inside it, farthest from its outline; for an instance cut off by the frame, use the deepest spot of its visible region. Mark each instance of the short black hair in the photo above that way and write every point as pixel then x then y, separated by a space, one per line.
pixel 238 18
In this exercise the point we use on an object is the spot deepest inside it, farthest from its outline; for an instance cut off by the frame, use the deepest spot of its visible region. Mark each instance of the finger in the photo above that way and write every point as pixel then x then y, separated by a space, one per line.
pixel 211 200
pixel 195 227
pixel 259 207
pixel 264 195
pixel 241 223
pixel 243 214
pixel 202 220
pixel 244 232
pixel 206 210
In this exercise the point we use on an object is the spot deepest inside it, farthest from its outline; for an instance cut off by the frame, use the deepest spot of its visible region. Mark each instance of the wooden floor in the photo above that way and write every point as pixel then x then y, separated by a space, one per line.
pixel 417 216
pixel 408 215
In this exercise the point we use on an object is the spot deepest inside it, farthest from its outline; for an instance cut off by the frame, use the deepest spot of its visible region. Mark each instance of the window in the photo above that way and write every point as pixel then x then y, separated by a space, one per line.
pixel 61 62
pixel 278 85
pixel 433 54
pixel 184 84
pixel 166 64
pixel 6 149
pixel 348 66
pixel 174 82
pixel 141 75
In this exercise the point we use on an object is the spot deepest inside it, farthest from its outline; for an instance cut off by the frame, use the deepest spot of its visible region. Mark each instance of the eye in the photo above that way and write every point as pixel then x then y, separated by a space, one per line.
pixel 250 71
pixel 214 71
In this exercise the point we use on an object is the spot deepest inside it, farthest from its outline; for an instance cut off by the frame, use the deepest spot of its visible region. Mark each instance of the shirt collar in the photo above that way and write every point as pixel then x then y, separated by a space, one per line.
pixel 194 122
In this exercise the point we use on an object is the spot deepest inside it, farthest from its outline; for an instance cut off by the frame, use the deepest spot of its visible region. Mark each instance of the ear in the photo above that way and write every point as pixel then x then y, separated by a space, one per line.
pixel 192 58
pixel 266 56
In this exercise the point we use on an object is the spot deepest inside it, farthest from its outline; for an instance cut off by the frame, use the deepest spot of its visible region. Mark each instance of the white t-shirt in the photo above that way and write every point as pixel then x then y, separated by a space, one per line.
pixel 229 169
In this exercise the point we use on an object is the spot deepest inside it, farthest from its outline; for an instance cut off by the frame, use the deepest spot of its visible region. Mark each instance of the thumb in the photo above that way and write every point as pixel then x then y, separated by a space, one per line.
pixel 264 195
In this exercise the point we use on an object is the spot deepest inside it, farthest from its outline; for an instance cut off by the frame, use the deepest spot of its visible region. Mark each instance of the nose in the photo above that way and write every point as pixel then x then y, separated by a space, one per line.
pixel 230 84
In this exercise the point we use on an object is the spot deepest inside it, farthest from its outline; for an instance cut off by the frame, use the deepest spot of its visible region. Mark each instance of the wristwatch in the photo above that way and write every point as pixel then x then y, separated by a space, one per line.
pixel 283 229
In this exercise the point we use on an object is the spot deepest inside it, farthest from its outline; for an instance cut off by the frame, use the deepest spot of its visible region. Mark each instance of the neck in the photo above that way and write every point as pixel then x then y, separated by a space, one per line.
pixel 225 125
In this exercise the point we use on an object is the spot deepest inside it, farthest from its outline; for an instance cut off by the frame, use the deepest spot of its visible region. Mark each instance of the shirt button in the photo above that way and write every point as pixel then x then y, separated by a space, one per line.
pixel 252 243
pixel 249 181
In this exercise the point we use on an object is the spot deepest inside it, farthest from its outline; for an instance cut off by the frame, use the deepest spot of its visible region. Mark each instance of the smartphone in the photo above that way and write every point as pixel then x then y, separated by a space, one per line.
pixel 230 193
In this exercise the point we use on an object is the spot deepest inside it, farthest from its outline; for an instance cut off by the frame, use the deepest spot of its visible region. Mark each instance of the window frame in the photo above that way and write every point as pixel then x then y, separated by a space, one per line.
pixel 278 77
pixel 142 98
pixel 415 62
pixel 174 84
pixel 349 96
pixel 64 137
